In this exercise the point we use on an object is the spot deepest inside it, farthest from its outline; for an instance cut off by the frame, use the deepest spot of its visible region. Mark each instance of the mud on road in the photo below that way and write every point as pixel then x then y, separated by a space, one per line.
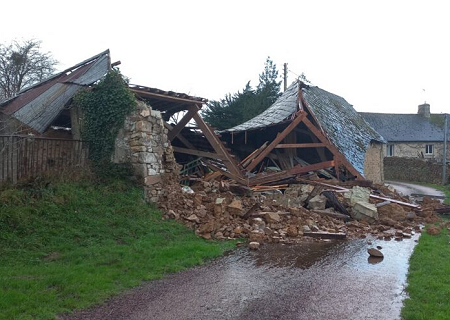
pixel 318 280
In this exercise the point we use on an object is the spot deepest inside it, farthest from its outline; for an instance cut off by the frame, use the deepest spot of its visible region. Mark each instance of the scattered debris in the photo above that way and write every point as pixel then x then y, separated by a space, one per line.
pixel 220 210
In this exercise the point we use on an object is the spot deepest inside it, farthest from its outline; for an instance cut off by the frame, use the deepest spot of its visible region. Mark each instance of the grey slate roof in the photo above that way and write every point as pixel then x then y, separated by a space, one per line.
pixel 405 127
pixel 39 105
pixel 346 129
pixel 285 106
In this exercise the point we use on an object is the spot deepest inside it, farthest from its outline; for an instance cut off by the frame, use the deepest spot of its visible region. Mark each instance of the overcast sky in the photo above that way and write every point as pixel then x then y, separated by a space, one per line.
pixel 378 55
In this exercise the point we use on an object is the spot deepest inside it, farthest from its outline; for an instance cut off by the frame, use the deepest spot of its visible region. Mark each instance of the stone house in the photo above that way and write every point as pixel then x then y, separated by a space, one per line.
pixel 418 135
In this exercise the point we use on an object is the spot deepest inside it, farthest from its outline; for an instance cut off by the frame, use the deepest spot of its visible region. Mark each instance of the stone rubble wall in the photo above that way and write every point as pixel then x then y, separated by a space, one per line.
pixel 414 170
pixel 143 142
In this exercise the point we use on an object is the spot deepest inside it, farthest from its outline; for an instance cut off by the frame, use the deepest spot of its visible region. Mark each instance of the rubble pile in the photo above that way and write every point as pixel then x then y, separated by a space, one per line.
pixel 222 210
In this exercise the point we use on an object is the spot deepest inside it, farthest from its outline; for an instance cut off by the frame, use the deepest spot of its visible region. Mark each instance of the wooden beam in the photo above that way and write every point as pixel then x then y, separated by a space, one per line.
pixel 226 174
pixel 193 109
pixel 198 153
pixel 342 160
pixel 312 167
pixel 253 155
pixel 300 115
pixel 164 97
pixel 180 137
pixel 263 178
pixel 217 146
pixel 300 145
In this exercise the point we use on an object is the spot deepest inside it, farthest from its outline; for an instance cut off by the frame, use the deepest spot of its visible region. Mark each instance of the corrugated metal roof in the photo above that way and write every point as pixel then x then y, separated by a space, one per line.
pixel 346 129
pixel 37 106
pixel 405 127
pixel 284 107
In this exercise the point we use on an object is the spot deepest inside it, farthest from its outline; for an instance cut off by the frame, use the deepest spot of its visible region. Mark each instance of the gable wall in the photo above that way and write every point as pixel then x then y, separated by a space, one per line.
pixel 373 162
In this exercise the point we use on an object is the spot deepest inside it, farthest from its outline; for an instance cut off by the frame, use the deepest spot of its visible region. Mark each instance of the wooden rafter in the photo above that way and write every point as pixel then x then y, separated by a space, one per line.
pixel 193 109
pixel 180 137
pixel 342 160
pixel 313 167
pixel 300 145
pixel 199 153
pixel 217 145
pixel 299 116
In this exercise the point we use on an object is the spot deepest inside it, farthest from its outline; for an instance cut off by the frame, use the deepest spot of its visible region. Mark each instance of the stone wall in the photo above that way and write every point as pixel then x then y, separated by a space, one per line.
pixel 143 142
pixel 373 163
pixel 420 170
pixel 417 150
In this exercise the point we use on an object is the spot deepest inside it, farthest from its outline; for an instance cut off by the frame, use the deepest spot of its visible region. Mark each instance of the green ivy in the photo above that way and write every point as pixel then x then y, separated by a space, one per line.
pixel 104 107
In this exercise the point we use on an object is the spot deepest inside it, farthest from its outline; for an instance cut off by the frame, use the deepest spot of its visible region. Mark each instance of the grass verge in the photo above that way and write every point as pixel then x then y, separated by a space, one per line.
pixel 68 246
pixel 428 277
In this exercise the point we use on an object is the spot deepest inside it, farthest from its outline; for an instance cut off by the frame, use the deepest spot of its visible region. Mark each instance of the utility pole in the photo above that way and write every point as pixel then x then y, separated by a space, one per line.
pixel 285 76
pixel 444 158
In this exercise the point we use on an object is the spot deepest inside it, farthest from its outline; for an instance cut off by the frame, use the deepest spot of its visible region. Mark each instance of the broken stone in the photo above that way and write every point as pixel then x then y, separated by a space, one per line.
pixel 357 194
pixel 375 252
pixel 193 218
pixel 218 206
pixel 411 216
pixel 238 230
pixel 258 224
pixel 272 217
pixel 235 208
pixel 317 203
pixel 364 211
pixel 306 229
pixel 219 236
pixel 254 245
pixel 257 236
pixel 292 231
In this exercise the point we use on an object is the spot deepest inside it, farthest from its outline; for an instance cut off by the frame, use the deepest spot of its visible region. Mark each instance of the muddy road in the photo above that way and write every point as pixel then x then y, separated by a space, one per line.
pixel 326 280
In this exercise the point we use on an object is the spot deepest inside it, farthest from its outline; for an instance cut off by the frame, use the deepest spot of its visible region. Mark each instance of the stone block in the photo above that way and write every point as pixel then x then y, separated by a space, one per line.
pixel 146 157
pixel 151 180
pixel 364 211
pixel 317 203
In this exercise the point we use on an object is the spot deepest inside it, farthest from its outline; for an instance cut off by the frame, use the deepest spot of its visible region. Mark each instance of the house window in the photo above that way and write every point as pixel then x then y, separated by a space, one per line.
pixel 429 149
pixel 390 150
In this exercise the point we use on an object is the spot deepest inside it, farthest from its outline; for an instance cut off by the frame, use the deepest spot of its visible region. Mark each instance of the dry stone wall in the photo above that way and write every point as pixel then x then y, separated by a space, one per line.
pixel 143 142
pixel 415 170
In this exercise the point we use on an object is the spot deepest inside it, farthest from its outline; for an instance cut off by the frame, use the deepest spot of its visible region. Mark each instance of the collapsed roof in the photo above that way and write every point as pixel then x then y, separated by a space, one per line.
pixel 346 129
pixel 39 105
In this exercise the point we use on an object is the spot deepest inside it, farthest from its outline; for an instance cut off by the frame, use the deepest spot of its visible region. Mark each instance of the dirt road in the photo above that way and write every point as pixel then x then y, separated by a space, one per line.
pixel 333 280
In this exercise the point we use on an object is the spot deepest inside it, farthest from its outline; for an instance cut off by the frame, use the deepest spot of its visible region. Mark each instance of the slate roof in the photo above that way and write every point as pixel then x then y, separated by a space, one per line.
pixel 284 107
pixel 347 130
pixel 38 106
pixel 405 127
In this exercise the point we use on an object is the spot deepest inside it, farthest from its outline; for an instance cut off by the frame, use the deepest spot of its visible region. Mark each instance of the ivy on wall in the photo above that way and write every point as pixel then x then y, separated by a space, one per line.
pixel 104 108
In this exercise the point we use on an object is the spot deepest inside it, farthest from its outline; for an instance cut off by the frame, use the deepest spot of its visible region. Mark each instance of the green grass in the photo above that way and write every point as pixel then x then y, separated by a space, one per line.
pixel 429 275
pixel 71 245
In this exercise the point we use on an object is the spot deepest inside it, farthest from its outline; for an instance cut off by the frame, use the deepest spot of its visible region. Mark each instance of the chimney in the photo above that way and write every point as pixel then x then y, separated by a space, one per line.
pixel 424 110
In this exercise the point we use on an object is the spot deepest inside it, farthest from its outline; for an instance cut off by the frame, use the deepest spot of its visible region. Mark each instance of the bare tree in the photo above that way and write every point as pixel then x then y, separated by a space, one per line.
pixel 21 65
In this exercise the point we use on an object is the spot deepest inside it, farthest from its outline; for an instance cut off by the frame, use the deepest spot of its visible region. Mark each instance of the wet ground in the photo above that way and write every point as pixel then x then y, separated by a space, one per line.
pixel 409 189
pixel 326 280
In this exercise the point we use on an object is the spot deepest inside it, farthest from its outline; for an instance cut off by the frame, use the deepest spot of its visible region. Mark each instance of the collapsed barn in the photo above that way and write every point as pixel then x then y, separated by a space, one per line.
pixel 307 130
